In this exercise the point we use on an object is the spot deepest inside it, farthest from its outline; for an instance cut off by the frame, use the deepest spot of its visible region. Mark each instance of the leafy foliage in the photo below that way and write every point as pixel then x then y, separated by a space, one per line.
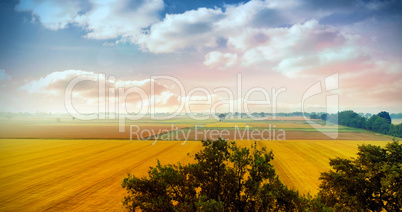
pixel 385 115
pixel 380 123
pixel 351 119
pixel 396 130
pixel 371 182
pixel 314 116
pixel 225 177
pixel 324 116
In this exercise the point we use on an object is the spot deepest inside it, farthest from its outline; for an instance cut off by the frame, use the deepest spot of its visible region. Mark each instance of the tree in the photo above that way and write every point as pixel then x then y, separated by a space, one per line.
pixel 224 177
pixel 385 115
pixel 222 117
pixel 371 182
pixel 396 130
pixel 351 119
pixel 324 116
pixel 378 124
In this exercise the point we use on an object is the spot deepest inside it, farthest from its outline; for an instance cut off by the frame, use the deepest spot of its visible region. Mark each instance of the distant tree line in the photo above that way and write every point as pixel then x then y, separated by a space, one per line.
pixel 264 114
pixel 380 123
pixel 396 115
pixel 226 177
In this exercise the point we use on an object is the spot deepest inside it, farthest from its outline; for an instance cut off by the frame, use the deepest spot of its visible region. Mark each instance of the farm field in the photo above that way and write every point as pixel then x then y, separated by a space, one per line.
pixel 294 128
pixel 49 164
pixel 85 175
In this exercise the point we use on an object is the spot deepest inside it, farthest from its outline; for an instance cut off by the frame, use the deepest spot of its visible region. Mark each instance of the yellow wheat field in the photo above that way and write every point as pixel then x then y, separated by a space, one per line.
pixel 85 175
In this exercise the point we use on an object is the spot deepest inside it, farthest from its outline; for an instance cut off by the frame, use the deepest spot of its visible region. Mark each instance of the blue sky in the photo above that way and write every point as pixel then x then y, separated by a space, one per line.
pixel 271 43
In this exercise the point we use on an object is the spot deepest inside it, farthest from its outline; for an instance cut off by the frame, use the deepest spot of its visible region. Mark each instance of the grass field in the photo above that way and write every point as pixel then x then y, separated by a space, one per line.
pixel 85 175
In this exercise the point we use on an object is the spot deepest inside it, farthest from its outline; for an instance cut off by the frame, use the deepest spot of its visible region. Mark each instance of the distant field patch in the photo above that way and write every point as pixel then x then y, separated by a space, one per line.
pixel 226 124
pixel 282 125
pixel 396 121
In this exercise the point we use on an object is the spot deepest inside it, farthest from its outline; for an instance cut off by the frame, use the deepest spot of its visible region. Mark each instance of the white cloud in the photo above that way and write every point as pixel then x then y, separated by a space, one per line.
pixel 103 19
pixel 195 28
pixel 53 14
pixel 287 35
pixel 251 34
pixel 248 38
pixel 203 28
pixel 221 60
pixel 300 39
pixel 244 22
pixel 319 61
pixel 113 19
pixel 302 47
pixel 86 92
pixel 53 83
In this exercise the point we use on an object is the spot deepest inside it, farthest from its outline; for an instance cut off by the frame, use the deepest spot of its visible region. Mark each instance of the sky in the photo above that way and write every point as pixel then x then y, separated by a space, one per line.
pixel 201 56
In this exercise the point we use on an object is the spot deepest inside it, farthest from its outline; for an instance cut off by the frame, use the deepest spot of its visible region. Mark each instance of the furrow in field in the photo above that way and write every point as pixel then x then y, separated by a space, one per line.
pixel 86 175
pixel 47 149
pixel 35 166
pixel 49 175
pixel 97 189
pixel 86 180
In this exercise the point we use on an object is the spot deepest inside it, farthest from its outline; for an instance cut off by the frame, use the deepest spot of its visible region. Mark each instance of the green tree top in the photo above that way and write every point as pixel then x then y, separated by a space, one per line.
pixel 224 177
pixel 385 115
pixel 371 182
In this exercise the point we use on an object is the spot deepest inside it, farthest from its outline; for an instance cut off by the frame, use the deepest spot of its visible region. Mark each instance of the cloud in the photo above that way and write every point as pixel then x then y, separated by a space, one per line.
pixel 379 85
pixel 276 33
pixel 206 28
pixel 53 14
pixel 86 92
pixel 382 36
pixel 241 26
pixel 221 60
pixel 102 19
pixel 115 19
pixel 53 83
pixel 299 48
pixel 193 28
pixel 287 39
